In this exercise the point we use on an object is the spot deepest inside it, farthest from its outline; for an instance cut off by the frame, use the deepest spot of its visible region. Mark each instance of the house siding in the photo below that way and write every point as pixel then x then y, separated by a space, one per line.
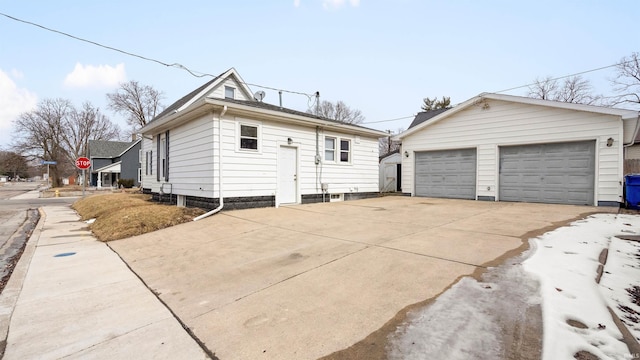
pixel 218 92
pixel 506 123
pixel 253 174
pixel 130 164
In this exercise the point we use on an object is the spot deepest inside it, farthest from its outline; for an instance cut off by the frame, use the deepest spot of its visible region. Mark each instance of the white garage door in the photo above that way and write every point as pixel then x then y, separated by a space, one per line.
pixel 561 173
pixel 446 173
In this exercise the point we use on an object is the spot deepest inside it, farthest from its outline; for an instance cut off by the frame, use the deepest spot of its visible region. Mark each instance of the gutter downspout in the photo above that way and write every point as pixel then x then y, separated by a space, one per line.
pixel 224 111
pixel 635 133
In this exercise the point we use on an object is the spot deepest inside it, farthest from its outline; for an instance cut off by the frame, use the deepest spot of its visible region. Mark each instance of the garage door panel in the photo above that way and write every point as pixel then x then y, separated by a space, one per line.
pixel 447 173
pixel 562 173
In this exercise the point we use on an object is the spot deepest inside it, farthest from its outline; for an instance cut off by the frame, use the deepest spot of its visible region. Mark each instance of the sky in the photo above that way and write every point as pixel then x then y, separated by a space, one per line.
pixel 379 56
pixel 468 320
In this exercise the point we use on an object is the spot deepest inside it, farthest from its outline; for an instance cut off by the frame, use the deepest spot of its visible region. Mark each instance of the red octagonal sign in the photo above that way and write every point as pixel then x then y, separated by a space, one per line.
pixel 83 163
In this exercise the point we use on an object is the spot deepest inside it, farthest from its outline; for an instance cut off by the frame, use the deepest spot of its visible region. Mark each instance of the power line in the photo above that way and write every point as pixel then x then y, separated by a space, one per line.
pixel 565 76
pixel 528 85
pixel 388 120
pixel 194 73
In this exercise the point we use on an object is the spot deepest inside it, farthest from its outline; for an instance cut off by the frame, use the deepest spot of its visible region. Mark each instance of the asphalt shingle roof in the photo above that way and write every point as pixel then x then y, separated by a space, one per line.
pixel 426 115
pixel 107 149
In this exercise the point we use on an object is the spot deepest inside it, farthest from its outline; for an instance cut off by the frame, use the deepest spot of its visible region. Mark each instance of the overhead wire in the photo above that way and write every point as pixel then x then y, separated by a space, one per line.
pixel 194 73
pixel 528 85
pixel 310 97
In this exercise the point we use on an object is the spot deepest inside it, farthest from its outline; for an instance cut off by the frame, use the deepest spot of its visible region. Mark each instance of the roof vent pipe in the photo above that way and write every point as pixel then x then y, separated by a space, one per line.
pixel 280 96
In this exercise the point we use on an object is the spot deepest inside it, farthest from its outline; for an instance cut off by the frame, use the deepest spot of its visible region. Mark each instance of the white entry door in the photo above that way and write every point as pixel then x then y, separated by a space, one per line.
pixel 287 175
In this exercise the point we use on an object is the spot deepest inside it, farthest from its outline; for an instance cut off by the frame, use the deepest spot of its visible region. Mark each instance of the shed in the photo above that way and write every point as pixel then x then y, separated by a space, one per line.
pixel 390 171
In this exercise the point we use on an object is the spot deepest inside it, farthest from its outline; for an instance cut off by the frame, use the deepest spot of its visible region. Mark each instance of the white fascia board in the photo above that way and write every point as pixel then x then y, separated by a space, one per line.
pixel 115 167
pixel 198 108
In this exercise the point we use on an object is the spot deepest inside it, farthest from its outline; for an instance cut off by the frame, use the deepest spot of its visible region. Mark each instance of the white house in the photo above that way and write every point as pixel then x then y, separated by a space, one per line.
pixel 219 141
pixel 509 148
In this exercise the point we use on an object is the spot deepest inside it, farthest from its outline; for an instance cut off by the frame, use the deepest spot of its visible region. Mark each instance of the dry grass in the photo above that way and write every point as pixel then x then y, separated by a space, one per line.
pixel 122 215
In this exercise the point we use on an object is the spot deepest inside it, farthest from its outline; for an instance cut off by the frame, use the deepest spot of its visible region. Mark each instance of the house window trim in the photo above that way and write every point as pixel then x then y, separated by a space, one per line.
pixel 337 150
pixel 229 88
pixel 348 152
pixel 258 127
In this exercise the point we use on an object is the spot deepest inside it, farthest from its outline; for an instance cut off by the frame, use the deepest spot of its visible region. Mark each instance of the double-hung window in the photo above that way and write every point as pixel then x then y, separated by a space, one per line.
pixel 345 151
pixel 248 137
pixel 329 149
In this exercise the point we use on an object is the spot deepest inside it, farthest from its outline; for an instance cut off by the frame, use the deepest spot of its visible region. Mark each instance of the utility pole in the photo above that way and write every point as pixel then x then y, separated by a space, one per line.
pixel 317 103
pixel 389 142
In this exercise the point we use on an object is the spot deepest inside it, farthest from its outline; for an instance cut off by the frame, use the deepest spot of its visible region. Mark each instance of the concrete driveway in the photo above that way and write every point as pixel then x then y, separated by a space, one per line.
pixel 305 281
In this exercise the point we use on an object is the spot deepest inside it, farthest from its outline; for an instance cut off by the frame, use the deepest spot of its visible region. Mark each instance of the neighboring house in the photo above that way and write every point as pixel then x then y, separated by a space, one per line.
pixel 219 141
pixel 113 160
pixel 509 148
pixel 390 172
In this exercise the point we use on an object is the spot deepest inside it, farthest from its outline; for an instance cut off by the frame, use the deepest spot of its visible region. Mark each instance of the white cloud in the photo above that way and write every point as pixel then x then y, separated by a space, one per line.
pixel 96 76
pixel 296 3
pixel 336 4
pixel 13 101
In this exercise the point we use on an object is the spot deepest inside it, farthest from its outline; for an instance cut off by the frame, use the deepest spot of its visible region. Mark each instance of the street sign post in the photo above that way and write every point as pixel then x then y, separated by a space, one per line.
pixel 47 162
pixel 83 163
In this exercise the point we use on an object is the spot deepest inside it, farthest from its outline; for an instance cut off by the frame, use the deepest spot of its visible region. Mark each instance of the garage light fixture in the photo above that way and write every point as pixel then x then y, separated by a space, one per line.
pixel 609 142
pixel 289 141
pixel 406 154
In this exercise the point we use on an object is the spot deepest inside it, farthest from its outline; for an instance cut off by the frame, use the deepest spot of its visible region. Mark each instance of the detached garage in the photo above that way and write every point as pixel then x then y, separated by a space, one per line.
pixel 509 148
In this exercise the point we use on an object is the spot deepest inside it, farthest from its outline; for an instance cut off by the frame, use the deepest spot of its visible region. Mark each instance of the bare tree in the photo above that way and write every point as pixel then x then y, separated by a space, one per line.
pixel 544 89
pixel 39 133
pixel 338 111
pixel 574 89
pixel 434 104
pixel 627 80
pixel 139 103
pixel 87 124
pixel 56 131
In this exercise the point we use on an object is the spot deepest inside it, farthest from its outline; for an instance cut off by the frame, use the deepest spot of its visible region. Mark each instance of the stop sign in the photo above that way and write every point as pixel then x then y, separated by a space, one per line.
pixel 83 163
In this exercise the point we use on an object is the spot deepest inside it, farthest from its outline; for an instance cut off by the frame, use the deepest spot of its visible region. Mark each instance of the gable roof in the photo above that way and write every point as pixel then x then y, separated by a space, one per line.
pixel 623 113
pixel 197 103
pixel 108 149
pixel 426 115
pixel 203 90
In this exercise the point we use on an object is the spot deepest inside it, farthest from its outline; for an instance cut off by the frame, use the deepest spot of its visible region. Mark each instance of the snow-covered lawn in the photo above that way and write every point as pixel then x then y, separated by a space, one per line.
pixel 574 305
pixel 499 316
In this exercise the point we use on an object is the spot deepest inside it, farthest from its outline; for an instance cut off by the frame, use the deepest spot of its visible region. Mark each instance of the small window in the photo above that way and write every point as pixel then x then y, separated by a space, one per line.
pixel 248 137
pixel 345 151
pixel 329 149
pixel 229 92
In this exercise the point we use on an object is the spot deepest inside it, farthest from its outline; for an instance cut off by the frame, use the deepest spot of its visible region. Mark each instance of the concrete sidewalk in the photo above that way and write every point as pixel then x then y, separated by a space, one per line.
pixel 71 296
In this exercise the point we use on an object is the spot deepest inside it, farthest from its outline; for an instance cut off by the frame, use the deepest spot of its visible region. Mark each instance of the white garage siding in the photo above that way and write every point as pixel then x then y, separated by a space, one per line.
pixel 503 123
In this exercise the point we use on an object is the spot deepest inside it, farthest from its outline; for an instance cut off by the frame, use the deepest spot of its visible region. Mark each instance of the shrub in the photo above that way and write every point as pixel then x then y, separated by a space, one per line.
pixel 125 183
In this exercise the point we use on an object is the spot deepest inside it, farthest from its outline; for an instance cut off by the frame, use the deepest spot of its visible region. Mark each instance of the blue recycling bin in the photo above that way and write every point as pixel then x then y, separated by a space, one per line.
pixel 632 191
